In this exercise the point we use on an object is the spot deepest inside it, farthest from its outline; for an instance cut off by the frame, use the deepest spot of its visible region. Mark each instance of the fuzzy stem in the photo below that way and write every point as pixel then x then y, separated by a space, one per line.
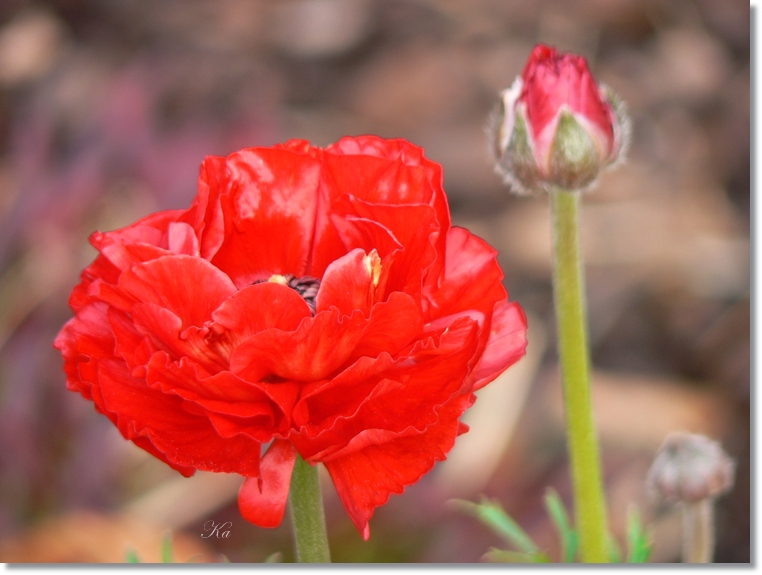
pixel 568 295
pixel 307 518
pixel 698 531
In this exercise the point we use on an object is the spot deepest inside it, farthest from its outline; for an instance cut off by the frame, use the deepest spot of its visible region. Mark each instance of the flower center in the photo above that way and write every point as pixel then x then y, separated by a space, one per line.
pixel 305 286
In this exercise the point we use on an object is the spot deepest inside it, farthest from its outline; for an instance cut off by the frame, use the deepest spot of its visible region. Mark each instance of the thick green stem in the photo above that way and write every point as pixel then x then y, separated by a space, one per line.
pixel 568 294
pixel 307 518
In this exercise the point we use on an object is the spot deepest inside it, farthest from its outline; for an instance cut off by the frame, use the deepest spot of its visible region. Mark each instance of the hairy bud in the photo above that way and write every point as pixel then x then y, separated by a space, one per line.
pixel 555 127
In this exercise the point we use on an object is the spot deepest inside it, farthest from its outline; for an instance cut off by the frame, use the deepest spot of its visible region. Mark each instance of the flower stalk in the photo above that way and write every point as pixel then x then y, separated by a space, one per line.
pixel 307 516
pixel 692 470
pixel 698 531
pixel 568 295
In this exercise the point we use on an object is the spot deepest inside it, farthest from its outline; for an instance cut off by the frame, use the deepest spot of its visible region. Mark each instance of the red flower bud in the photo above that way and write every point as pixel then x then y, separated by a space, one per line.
pixel 555 126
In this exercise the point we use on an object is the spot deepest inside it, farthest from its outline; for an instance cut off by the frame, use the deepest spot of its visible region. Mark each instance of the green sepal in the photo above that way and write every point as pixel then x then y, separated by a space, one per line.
pixel 574 159
pixel 519 160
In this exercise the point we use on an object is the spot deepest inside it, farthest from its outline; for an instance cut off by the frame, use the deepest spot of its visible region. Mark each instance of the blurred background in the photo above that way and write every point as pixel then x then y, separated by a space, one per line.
pixel 107 107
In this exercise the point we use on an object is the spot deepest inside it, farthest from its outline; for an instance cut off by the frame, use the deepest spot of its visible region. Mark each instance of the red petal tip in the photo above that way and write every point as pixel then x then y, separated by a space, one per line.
pixel 265 504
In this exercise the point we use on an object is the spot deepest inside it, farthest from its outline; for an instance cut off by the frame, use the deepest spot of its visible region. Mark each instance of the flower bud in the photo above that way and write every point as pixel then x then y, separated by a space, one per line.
pixel 555 127
pixel 690 468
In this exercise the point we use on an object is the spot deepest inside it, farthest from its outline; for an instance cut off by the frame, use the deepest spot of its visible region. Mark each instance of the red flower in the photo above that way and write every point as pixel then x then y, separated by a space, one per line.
pixel 556 125
pixel 318 299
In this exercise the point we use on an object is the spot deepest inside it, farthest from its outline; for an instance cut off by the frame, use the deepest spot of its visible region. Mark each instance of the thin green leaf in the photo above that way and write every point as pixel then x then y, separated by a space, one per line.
pixel 569 537
pixel 276 557
pixel 167 554
pixel 132 556
pixel 503 556
pixel 615 554
pixel 638 545
pixel 492 515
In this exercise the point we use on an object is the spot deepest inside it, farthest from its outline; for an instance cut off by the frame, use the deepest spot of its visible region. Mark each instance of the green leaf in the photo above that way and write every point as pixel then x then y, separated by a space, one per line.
pixel 276 557
pixel 492 515
pixel 503 556
pixel 615 554
pixel 132 556
pixel 167 555
pixel 569 537
pixel 638 545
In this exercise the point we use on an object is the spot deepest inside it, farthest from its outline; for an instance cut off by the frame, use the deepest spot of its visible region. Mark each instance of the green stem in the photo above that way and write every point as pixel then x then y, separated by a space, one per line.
pixel 568 294
pixel 307 518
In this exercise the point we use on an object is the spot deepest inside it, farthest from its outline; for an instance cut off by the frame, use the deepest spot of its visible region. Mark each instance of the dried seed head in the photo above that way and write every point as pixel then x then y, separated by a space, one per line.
pixel 689 468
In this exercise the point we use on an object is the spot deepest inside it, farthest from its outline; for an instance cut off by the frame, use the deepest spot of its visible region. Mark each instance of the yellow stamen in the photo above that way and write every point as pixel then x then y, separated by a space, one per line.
pixel 373 264
pixel 278 279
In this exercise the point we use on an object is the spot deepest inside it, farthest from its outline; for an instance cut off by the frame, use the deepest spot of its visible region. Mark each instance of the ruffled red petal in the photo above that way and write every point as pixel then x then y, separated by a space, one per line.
pixel 381 465
pixel 413 227
pixel 348 285
pixel 269 214
pixel 205 214
pixel 191 288
pixel 165 331
pixel 317 348
pixel 143 241
pixel 506 344
pixel 184 438
pixel 260 307
pixel 326 342
pixel 125 255
pixel 182 239
pixel 321 403
pixel 83 340
pixel 472 277
pixel 232 404
pixel 262 501
pixel 405 394
pixel 471 282
pixel 130 344
pixel 392 326
pixel 410 156
pixel 100 270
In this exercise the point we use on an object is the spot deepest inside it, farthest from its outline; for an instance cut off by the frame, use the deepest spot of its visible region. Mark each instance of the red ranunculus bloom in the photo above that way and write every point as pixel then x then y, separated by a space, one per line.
pixel 314 298
pixel 556 126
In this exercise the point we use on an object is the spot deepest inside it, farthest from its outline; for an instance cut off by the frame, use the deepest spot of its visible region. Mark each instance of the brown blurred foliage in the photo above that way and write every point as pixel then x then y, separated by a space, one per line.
pixel 107 108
